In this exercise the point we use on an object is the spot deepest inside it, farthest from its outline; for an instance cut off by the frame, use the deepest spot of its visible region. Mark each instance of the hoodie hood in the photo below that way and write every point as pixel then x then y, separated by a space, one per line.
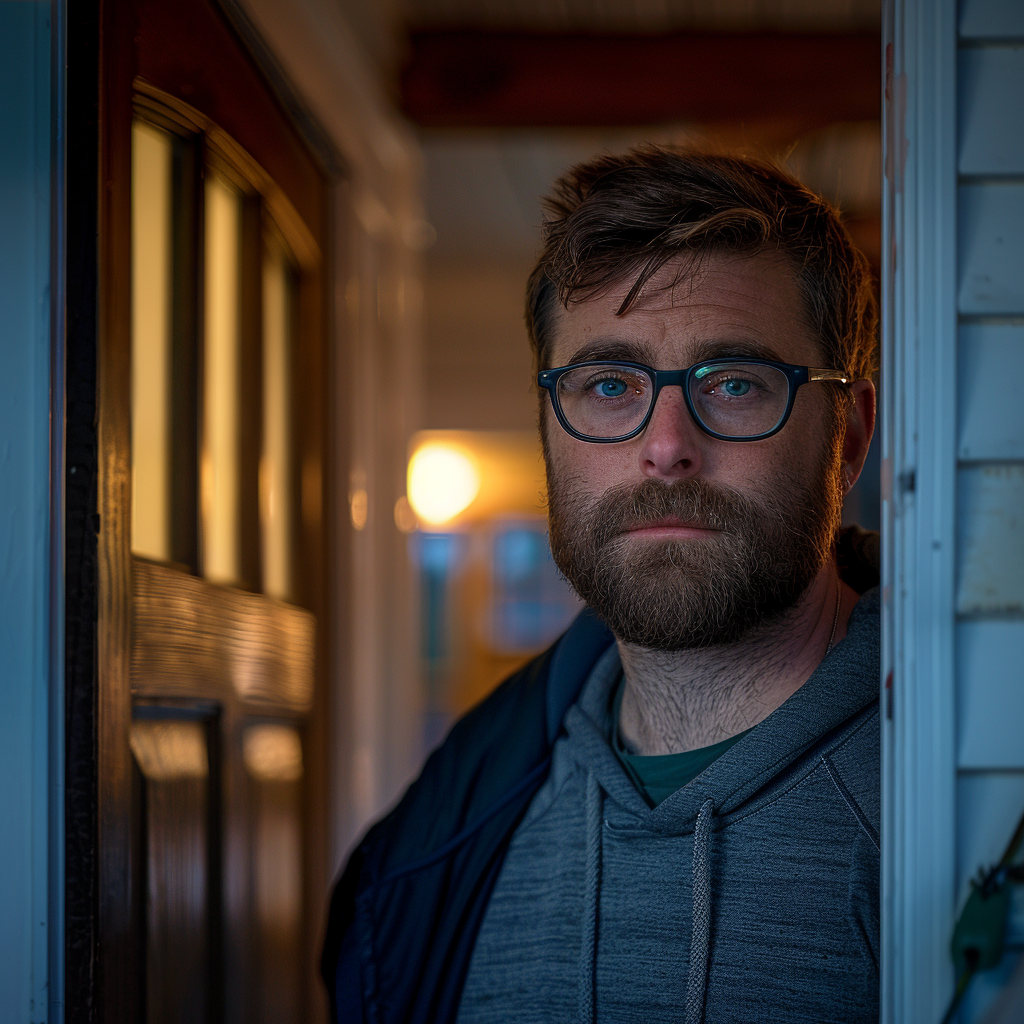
pixel 844 684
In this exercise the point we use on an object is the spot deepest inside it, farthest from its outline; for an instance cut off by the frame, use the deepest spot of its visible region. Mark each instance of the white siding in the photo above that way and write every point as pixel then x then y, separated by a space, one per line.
pixel 991 19
pixel 990 501
pixel 953 499
pixel 990 548
pixel 991 93
pixel 991 360
pixel 990 697
pixel 991 247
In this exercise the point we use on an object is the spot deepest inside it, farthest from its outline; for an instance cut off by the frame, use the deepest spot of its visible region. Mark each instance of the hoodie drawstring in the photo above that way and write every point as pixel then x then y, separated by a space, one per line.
pixel 591 898
pixel 697 976
pixel 696 980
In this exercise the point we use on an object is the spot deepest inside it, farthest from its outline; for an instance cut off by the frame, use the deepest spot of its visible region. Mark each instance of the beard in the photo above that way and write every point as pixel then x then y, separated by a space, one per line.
pixel 671 595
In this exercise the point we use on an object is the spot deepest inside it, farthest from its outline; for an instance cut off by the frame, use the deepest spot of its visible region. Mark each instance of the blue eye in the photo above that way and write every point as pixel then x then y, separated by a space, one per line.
pixel 735 388
pixel 611 388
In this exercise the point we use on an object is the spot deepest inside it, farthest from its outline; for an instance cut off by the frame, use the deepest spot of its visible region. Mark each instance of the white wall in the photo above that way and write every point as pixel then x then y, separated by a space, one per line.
pixel 333 69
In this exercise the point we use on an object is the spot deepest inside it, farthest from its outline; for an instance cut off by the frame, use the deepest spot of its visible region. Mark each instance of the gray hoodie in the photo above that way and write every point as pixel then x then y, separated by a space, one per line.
pixel 751 894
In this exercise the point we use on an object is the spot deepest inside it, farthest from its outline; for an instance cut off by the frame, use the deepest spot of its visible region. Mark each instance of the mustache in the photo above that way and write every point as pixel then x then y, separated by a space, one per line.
pixel 693 501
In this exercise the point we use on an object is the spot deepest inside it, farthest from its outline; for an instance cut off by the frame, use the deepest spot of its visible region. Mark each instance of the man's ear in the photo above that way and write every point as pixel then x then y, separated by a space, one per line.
pixel 860 425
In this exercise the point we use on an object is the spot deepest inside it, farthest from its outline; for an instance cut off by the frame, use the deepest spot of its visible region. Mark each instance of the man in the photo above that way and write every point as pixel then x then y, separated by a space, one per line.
pixel 673 814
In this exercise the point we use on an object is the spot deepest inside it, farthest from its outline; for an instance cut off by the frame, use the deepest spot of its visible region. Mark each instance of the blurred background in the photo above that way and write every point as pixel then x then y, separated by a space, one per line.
pixel 504 97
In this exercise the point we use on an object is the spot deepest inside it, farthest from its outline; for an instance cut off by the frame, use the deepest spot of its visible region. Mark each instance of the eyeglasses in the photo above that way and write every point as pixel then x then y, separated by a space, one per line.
pixel 732 400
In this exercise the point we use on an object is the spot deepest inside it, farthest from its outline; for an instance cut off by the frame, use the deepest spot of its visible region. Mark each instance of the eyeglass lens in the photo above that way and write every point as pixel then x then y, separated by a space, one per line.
pixel 732 399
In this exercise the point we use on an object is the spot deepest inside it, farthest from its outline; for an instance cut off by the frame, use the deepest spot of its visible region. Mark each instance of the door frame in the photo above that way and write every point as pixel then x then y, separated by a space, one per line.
pixel 919 424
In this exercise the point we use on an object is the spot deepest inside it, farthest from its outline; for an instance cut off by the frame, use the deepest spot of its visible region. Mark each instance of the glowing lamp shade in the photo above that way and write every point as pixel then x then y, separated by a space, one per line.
pixel 443 481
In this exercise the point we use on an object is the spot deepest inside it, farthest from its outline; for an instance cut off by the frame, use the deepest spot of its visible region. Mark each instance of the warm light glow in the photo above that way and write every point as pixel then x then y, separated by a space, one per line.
pixel 443 481
pixel 219 471
pixel 152 173
pixel 359 503
pixel 405 518
pixel 273 753
pixel 168 750
pixel 276 470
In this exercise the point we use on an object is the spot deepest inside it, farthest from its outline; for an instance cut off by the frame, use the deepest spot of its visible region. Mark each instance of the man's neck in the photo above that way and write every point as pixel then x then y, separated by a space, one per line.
pixel 683 700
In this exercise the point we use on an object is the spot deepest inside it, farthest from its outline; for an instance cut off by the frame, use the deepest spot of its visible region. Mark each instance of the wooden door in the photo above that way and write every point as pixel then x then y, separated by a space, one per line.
pixel 211 377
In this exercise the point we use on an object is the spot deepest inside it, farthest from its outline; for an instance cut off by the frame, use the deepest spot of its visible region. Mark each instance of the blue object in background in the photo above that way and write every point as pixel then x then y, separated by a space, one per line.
pixel 438 557
pixel 531 601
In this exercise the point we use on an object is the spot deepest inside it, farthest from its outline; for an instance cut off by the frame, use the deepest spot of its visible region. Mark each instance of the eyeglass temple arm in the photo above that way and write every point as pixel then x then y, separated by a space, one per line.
pixel 814 373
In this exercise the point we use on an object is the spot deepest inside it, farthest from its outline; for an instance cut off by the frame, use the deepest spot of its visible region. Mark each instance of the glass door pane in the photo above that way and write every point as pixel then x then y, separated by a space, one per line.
pixel 276 462
pixel 152 266
pixel 220 481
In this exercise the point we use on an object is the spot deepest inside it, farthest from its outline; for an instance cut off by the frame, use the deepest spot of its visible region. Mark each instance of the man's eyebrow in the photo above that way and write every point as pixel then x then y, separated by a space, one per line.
pixel 637 352
pixel 730 348
pixel 611 348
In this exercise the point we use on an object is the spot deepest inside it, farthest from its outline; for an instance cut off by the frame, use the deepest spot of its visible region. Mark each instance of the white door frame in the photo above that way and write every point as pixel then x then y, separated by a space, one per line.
pixel 919 362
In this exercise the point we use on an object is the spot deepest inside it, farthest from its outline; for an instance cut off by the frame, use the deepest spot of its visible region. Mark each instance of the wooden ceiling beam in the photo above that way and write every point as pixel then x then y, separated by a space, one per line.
pixel 478 79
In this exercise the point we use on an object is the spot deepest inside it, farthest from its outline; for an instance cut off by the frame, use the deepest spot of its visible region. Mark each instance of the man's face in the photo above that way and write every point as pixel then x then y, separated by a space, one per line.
pixel 677 539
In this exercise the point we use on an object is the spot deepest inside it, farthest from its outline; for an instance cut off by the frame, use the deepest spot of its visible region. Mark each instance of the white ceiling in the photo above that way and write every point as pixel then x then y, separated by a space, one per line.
pixel 482 189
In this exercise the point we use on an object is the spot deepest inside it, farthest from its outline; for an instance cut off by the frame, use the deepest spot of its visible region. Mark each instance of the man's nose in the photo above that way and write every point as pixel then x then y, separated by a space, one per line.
pixel 670 447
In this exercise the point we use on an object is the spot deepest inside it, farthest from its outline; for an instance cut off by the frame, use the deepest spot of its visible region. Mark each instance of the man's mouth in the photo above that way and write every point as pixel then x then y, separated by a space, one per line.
pixel 669 528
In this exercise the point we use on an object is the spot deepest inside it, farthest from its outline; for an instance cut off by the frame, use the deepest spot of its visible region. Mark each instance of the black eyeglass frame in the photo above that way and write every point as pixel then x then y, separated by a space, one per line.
pixel 796 375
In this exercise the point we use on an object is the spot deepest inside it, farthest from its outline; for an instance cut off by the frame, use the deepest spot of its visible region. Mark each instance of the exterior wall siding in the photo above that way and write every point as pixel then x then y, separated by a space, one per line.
pixel 990 451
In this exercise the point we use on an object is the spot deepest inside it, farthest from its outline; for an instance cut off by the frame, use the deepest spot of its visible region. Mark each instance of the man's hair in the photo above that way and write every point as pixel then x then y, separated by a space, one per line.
pixel 631 214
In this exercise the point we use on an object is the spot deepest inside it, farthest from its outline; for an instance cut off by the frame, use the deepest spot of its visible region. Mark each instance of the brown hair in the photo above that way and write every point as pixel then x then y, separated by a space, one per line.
pixel 633 213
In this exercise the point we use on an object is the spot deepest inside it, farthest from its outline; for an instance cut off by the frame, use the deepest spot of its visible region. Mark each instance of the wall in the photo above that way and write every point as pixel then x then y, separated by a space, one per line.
pixel 953 485
pixel 990 454
pixel 330 67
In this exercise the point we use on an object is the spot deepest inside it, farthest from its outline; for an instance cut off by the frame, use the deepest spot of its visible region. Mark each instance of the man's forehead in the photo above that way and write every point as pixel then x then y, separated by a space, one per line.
pixel 751 302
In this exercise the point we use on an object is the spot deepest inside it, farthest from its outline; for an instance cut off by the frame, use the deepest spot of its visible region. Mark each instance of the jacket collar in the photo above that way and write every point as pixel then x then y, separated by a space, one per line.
pixel 574 659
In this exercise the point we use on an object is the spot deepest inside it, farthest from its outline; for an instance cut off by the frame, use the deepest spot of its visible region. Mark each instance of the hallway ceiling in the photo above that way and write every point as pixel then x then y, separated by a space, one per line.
pixel 638 16
pixel 482 189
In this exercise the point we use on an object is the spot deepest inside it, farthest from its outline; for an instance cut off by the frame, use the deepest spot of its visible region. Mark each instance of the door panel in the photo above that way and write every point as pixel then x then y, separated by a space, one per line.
pixel 239 647
pixel 178 858
pixel 273 761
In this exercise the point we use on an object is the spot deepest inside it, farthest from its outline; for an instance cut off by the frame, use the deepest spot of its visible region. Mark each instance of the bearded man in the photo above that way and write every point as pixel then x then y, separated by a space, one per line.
pixel 673 814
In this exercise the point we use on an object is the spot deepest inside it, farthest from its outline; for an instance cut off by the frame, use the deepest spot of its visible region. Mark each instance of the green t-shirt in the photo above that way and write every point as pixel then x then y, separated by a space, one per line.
pixel 657 776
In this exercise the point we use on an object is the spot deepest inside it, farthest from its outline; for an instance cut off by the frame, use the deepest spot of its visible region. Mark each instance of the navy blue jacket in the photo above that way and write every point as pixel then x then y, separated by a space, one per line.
pixel 405 914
